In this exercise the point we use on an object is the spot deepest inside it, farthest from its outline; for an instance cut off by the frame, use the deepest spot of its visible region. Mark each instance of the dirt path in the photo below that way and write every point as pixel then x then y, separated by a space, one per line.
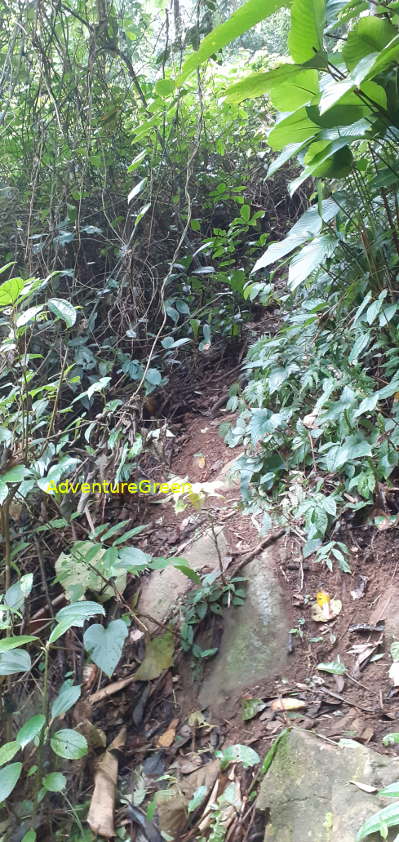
pixel 361 703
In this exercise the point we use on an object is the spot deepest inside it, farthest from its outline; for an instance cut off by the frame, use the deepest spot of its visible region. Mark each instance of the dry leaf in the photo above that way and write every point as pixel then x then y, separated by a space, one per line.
pixel 360 587
pixel 325 609
pixel 90 673
pixel 288 703
pixel 199 460
pixel 166 739
pixel 364 787
pixel 101 812
pixel 394 673
pixel 310 421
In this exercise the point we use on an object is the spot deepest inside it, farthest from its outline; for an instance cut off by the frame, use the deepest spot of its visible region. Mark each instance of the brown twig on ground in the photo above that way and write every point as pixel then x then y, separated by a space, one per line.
pixel 271 539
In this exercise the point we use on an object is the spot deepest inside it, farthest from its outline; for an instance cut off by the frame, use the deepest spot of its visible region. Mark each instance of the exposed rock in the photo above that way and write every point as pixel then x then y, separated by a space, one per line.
pixel 163 588
pixel 255 635
pixel 308 795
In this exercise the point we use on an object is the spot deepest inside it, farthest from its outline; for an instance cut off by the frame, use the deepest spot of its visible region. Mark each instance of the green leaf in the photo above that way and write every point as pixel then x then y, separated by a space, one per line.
pixel 132 559
pixel 18 660
pixel 310 258
pixel 30 836
pixel 69 744
pixel 77 613
pixel 391 739
pixel 165 87
pixel 269 757
pixel 10 290
pixel 8 643
pixel 30 729
pixel 295 128
pixel 158 657
pixel 333 667
pixel 305 36
pixel 370 35
pixel 136 190
pixel 15 595
pixel 67 697
pixel 197 799
pixel 361 343
pixel 251 707
pixel 376 63
pixel 105 644
pixel 391 791
pixel 84 569
pixel 307 226
pixel 247 16
pixel 63 310
pixel 388 815
pixel 54 782
pixel 8 751
pixel 238 754
pixel 180 564
pixel 289 86
pixel 137 160
pixel 8 778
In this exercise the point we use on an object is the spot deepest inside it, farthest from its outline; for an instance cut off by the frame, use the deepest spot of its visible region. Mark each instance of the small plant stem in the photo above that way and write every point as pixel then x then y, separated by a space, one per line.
pixel 215 538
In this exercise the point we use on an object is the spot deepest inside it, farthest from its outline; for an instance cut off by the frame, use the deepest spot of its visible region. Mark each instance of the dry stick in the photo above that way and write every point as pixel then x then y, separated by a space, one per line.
pixel 347 702
pixel 271 539
pixel 43 576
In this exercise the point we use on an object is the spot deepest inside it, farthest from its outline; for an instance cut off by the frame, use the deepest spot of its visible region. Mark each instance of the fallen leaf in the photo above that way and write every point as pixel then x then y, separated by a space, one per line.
pixel 288 703
pixel 90 673
pixel 250 707
pixel 360 588
pixel 324 610
pixel 158 657
pixel 166 739
pixel 364 787
pixel 310 421
pixel 199 460
pixel 394 673
pixel 101 811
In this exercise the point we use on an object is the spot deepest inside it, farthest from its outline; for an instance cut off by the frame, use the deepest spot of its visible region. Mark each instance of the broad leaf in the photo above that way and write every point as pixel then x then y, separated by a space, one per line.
pixel 54 782
pixel 243 19
pixel 334 667
pixel 69 744
pixel 289 86
pixel 8 751
pixel 30 729
pixel 63 310
pixel 10 290
pixel 18 660
pixel 295 128
pixel 8 643
pixel 67 697
pixel 105 645
pixel 370 35
pixel 158 657
pixel 388 816
pixel 8 779
pixel 77 613
pixel 305 37
pixel 238 754
pixel 310 258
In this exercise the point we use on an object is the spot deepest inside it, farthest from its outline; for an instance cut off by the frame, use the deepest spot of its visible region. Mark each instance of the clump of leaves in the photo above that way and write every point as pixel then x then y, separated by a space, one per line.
pixel 212 597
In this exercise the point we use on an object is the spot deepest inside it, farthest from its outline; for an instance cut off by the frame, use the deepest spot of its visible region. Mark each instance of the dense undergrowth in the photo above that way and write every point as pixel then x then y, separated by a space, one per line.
pixel 143 212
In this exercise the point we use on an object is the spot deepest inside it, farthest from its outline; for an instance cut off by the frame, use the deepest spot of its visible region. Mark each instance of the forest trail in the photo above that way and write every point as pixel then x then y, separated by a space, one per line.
pixel 277 664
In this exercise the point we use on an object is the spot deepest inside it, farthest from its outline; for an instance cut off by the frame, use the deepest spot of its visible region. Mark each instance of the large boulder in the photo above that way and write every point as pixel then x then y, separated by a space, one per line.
pixel 310 795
